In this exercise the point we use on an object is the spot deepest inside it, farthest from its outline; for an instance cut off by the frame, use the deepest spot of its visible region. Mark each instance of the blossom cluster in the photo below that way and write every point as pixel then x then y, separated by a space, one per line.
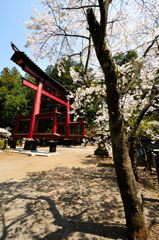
pixel 136 88
pixel 60 28
pixel 138 85
pixel 91 98
pixel 4 133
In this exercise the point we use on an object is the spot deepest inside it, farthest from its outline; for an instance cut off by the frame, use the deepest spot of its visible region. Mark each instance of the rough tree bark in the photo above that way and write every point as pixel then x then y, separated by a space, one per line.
pixel 132 201
pixel 132 134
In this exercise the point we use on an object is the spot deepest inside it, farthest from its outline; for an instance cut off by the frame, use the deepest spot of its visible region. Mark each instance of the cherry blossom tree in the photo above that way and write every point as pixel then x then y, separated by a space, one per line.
pixel 103 28
pixel 139 88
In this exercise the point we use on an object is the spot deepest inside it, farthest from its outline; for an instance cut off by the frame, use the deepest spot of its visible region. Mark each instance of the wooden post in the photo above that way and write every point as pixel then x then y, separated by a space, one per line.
pixel 17 124
pixel 36 108
pixel 83 128
pixel 67 134
pixel 54 122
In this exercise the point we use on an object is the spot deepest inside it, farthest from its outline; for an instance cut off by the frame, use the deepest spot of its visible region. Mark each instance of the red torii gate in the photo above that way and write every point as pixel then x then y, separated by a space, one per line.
pixel 43 80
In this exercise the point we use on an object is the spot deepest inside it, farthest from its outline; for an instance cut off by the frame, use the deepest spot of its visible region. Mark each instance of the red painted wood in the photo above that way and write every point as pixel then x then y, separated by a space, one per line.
pixel 20 135
pixel 44 92
pixel 30 72
pixel 37 115
pixel 36 109
pixel 47 94
pixel 29 84
pixel 17 123
pixel 44 115
pixel 54 121
pixel 83 128
pixel 68 120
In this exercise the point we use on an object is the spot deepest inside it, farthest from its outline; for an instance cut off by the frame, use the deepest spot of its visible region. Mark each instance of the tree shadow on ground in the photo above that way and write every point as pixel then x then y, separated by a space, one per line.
pixel 99 161
pixel 77 203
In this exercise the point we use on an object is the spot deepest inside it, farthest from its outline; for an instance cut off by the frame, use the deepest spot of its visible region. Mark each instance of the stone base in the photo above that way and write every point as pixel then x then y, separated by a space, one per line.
pixel 12 143
pixel 52 146
pixel 101 152
pixel 30 145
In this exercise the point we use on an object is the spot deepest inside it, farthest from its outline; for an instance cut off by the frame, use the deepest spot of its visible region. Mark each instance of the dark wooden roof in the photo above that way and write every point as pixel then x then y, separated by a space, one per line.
pixel 21 59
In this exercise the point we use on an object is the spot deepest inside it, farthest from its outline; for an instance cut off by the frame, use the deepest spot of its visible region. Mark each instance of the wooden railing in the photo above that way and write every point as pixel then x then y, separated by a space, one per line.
pixel 47 127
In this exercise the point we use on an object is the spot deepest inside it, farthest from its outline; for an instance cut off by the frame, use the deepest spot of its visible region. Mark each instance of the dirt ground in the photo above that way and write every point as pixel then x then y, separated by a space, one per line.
pixel 70 195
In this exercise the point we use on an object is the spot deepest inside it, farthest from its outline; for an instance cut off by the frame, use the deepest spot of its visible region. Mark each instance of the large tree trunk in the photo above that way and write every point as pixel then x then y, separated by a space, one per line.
pixel 133 206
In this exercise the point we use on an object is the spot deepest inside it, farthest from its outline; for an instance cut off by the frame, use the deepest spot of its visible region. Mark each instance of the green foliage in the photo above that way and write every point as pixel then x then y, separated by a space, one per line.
pixel 149 127
pixel 14 97
pixel 122 58
pixel 1 143
pixel 63 69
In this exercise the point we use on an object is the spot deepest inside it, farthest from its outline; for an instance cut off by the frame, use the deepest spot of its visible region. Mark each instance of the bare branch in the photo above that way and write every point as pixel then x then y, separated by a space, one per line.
pixel 70 35
pixel 151 45
pixel 142 112
pixel 81 7
pixel 88 55
pixel 104 5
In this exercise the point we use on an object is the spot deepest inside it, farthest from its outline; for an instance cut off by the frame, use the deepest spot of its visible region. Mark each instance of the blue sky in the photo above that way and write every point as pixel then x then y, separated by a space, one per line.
pixel 13 14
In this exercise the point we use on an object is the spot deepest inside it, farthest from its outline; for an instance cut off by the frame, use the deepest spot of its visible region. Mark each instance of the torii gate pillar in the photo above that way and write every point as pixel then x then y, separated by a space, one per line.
pixel 36 109
pixel 30 144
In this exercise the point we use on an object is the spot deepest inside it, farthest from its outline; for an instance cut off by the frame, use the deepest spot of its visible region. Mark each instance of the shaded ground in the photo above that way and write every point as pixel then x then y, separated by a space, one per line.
pixel 79 202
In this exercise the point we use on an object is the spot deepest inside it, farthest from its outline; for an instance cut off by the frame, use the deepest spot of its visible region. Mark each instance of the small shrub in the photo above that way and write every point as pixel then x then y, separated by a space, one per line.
pixel 1 143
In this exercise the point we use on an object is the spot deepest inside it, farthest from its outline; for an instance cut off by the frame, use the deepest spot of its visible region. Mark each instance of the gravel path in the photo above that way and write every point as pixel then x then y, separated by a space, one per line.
pixel 68 196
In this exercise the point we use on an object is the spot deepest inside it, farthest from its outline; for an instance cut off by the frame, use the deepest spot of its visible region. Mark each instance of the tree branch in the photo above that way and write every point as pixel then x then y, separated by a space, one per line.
pixel 139 119
pixel 142 112
pixel 81 7
pixel 70 35
pixel 106 62
pixel 104 5
pixel 88 55
pixel 92 21
pixel 151 45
